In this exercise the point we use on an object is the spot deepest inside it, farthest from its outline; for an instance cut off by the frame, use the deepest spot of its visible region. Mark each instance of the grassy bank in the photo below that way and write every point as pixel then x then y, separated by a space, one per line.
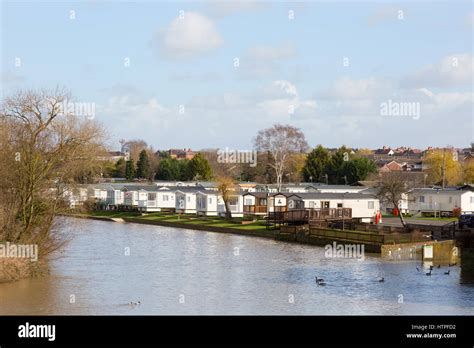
pixel 183 220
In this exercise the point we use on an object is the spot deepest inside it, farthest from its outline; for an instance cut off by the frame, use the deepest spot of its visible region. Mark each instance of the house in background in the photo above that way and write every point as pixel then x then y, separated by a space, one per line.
pixel 181 153
pixel 114 156
pixel 389 166
pixel 384 151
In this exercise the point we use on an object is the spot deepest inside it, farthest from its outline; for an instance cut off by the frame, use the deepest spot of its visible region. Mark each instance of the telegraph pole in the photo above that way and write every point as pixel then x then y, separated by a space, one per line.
pixel 444 168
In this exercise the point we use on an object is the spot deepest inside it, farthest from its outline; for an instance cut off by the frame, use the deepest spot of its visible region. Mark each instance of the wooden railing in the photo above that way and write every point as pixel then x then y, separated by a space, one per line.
pixel 309 215
pixel 255 208
pixel 330 213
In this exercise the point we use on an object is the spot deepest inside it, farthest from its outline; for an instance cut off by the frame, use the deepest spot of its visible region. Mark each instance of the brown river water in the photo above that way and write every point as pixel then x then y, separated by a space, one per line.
pixel 107 265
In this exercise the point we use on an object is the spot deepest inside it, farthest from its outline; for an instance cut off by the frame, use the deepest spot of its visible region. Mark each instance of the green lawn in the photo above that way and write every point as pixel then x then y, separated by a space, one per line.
pixel 447 219
pixel 114 214
pixel 185 219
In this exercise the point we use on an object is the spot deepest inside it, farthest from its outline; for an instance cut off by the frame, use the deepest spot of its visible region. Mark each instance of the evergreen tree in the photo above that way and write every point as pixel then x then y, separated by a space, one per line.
pixel 119 171
pixel 199 168
pixel 168 169
pixel 358 169
pixel 316 165
pixel 130 170
pixel 143 166
pixel 336 166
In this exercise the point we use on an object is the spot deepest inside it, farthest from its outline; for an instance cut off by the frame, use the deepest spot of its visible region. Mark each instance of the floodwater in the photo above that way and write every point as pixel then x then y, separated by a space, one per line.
pixel 107 265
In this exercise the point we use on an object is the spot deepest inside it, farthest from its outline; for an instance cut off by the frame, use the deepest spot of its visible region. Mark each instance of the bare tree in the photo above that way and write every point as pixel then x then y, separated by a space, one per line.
pixel 44 149
pixel 281 142
pixel 134 147
pixel 393 189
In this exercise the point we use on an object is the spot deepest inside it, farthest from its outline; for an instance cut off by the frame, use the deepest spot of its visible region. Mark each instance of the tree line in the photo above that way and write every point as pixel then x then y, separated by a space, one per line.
pixel 162 168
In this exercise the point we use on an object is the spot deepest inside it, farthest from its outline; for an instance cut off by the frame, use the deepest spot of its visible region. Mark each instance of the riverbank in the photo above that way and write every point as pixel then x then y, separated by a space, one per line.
pixel 13 269
pixel 211 224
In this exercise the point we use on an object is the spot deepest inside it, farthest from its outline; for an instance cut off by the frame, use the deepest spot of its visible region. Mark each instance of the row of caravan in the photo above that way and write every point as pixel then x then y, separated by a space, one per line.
pixel 204 201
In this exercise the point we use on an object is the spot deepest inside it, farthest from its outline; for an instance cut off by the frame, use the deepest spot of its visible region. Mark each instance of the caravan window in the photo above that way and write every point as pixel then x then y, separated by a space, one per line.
pixel 370 204
pixel 152 196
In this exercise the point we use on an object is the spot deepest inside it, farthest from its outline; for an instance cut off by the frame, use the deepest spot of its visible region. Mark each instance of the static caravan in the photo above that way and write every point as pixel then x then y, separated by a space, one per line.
pixel 247 186
pixel 206 203
pixel 152 198
pixel 278 202
pixel 335 188
pixel 140 196
pixel 186 200
pixel 236 205
pixel 166 198
pixel 432 201
pixel 130 196
pixel 255 203
pixel 364 207
pixel 97 192
pixel 115 195
pixel 76 196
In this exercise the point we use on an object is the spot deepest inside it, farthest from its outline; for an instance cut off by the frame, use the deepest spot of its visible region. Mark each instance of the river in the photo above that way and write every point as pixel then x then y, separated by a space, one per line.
pixel 175 271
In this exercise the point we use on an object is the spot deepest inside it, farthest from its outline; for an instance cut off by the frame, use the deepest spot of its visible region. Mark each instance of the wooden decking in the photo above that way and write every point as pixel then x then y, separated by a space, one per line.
pixel 255 209
pixel 310 215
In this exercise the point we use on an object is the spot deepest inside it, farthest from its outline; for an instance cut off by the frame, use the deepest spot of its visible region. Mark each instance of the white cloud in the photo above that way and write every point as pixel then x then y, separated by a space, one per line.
pixel 263 60
pixel 453 70
pixel 351 89
pixel 232 118
pixel 194 34
pixel 281 99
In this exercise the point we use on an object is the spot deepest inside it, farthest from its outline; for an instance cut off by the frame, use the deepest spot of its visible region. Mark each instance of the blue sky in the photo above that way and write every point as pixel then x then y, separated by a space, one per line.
pixel 181 88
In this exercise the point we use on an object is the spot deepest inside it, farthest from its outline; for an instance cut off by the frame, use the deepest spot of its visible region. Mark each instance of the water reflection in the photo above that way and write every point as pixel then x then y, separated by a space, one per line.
pixel 173 271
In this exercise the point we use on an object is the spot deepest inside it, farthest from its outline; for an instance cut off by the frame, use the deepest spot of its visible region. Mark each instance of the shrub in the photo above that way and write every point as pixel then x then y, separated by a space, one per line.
pixel 457 212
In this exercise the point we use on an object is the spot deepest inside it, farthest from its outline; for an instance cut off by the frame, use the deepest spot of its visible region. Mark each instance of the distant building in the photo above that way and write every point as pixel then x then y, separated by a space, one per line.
pixel 114 156
pixel 386 151
pixel 181 153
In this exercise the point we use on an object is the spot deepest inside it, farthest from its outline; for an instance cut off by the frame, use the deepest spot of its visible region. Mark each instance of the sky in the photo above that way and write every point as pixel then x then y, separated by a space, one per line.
pixel 206 74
